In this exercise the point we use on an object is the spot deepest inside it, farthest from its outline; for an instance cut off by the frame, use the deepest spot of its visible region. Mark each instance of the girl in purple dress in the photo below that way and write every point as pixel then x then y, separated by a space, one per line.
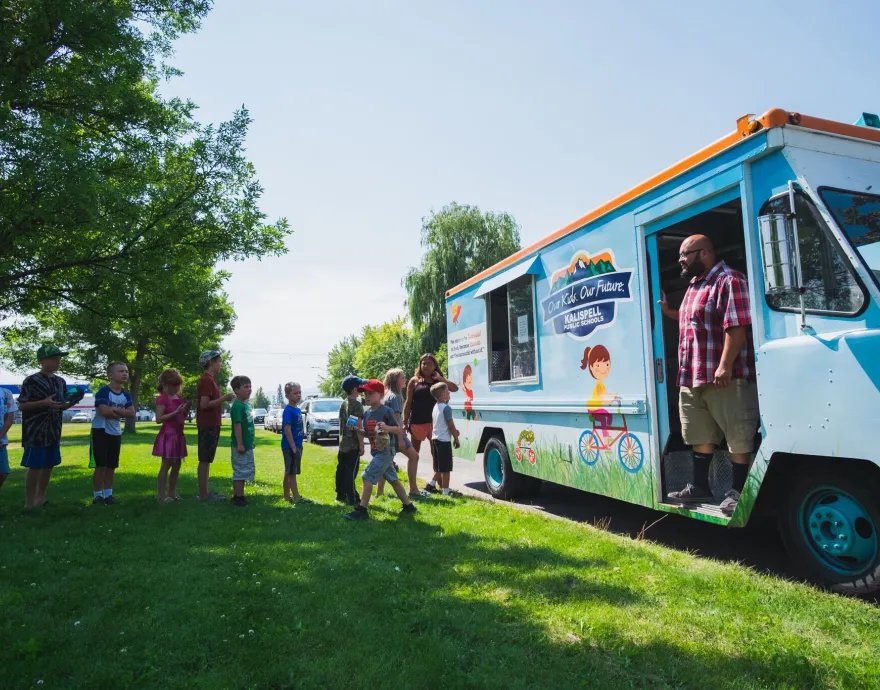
pixel 170 445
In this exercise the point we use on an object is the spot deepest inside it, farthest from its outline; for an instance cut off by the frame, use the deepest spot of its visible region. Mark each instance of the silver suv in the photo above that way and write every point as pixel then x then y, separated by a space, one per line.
pixel 321 418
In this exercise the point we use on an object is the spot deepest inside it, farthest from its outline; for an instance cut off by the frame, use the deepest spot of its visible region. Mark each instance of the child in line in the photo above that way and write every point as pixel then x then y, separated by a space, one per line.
pixel 380 425
pixel 395 382
pixel 292 436
pixel 351 440
pixel 243 467
pixel 170 444
pixel 444 435
pixel 8 408
pixel 112 404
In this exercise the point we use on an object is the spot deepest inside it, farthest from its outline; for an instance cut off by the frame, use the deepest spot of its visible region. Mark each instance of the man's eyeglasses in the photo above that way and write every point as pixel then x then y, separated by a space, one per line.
pixel 684 255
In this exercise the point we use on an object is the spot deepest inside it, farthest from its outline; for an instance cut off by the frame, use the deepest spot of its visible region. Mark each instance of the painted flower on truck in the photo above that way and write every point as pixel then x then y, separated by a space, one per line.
pixel 584 294
pixel 523 447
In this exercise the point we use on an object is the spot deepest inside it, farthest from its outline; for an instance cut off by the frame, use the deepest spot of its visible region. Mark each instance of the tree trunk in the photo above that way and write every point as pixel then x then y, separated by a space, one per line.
pixel 137 374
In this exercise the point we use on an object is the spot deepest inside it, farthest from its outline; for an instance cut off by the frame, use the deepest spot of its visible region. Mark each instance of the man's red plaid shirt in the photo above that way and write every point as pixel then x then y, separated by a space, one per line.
pixel 713 303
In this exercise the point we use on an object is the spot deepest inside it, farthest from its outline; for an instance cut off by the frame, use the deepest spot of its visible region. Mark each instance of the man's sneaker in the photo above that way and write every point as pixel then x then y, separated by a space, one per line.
pixel 728 505
pixel 431 489
pixel 110 500
pixel 359 513
pixel 690 494
pixel 409 510
pixel 97 500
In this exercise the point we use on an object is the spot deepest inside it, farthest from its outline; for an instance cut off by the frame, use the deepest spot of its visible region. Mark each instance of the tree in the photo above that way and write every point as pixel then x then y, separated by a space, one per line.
pixel 261 400
pixel 389 346
pixel 279 395
pixel 459 241
pixel 340 363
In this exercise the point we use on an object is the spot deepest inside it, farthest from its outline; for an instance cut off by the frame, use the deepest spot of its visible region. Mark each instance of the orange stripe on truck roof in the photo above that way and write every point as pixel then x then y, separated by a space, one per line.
pixel 745 127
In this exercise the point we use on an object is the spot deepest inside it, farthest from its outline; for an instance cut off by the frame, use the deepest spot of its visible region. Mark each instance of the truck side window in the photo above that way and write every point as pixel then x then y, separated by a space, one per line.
pixel 512 331
pixel 829 283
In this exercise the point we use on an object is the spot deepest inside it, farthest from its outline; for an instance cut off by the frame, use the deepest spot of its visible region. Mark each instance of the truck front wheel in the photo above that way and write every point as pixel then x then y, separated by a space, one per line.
pixel 501 480
pixel 832 526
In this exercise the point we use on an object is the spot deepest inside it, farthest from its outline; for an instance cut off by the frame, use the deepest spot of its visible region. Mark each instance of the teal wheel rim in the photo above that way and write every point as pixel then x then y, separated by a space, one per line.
pixel 589 446
pixel 838 530
pixel 494 469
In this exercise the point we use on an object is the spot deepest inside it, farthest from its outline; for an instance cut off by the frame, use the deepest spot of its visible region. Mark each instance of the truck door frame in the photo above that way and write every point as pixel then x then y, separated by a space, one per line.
pixel 692 199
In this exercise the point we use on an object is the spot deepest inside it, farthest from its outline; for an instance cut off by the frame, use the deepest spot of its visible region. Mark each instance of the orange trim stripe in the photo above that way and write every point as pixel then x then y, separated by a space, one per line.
pixel 772 118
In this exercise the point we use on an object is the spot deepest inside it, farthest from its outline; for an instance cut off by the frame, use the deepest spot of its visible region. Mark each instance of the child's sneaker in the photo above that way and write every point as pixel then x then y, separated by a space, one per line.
pixel 409 510
pixel 239 501
pixel 359 513
pixel 97 500
pixel 431 489
pixel 110 500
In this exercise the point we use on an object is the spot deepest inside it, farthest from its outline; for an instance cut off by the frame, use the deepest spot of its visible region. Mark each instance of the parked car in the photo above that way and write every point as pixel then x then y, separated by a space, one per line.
pixel 273 420
pixel 259 415
pixel 81 418
pixel 144 416
pixel 321 418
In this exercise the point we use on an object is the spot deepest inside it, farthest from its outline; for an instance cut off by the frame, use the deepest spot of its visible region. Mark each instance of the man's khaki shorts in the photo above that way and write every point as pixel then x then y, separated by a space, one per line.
pixel 710 414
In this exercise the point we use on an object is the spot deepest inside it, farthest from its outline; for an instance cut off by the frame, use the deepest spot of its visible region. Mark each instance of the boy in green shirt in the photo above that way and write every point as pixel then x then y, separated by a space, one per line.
pixel 243 468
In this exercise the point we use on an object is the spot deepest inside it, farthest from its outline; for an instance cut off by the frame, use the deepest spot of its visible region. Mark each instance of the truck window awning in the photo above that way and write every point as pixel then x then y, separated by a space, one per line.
pixel 532 266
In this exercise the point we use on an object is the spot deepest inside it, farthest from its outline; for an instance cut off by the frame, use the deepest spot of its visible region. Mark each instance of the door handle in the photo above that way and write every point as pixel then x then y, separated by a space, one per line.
pixel 659 369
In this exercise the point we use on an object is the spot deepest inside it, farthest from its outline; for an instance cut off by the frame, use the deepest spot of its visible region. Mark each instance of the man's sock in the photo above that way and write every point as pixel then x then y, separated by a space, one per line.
pixel 740 472
pixel 701 469
pixel 99 494
pixel 108 493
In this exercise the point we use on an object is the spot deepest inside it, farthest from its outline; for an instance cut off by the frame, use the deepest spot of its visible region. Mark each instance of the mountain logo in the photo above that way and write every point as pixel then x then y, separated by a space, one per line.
pixel 584 294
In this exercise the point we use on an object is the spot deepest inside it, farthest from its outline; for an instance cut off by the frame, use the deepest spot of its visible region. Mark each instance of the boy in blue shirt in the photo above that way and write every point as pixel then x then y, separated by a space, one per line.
pixel 292 435
pixel 112 404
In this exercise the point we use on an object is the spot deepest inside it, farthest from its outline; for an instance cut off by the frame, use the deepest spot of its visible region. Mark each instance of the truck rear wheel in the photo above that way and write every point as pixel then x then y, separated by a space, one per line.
pixel 832 526
pixel 501 480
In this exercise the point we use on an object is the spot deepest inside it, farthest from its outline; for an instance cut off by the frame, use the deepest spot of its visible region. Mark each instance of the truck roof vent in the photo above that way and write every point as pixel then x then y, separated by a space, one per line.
pixel 869 120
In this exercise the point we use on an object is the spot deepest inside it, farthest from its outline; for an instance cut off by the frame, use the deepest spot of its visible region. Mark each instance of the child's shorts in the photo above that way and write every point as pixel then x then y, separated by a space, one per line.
pixel 292 460
pixel 442 456
pixel 106 448
pixel 243 468
pixel 41 458
pixel 4 460
pixel 382 465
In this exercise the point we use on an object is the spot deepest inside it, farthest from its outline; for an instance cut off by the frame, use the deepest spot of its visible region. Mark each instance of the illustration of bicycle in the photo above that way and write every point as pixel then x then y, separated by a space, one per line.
pixel 629 449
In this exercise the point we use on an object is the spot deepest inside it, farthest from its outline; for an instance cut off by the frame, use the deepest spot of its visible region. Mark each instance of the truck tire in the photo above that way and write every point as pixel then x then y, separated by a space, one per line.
pixel 501 480
pixel 831 525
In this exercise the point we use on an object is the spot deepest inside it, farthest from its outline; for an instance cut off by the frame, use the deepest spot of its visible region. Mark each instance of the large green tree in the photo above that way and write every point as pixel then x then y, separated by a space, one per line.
pixel 459 241
pixel 389 346
pixel 340 363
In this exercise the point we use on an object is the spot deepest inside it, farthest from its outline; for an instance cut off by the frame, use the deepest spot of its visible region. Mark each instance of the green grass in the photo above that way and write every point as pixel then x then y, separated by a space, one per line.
pixel 466 595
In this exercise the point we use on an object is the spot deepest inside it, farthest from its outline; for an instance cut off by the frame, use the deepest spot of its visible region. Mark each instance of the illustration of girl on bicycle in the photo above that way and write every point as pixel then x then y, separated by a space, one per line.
pixel 598 360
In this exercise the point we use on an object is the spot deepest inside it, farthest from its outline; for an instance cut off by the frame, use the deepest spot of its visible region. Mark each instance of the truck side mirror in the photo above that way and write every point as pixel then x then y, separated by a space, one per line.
pixel 779 240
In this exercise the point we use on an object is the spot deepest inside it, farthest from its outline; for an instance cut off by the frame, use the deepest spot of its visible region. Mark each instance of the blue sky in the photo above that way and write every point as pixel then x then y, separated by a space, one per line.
pixel 367 115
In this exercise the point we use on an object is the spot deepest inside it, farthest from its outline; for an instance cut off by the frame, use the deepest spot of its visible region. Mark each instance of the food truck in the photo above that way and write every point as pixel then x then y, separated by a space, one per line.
pixel 568 371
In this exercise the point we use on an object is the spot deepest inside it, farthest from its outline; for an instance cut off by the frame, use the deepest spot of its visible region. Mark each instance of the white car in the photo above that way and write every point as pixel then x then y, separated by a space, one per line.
pixel 144 416
pixel 81 418
pixel 272 421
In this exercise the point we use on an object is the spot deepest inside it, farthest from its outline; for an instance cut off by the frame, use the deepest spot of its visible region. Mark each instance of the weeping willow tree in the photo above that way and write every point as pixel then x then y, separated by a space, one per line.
pixel 459 241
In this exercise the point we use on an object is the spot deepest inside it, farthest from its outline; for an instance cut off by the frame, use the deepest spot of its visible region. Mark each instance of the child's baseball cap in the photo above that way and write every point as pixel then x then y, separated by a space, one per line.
pixel 374 386
pixel 349 383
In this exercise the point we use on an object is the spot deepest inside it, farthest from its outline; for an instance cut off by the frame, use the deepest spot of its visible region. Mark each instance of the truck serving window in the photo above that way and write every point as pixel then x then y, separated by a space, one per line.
pixel 829 283
pixel 858 215
pixel 512 331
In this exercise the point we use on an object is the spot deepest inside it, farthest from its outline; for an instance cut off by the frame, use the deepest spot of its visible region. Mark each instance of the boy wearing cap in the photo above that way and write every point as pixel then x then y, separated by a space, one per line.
pixel 209 417
pixel 351 441
pixel 42 401
pixel 385 434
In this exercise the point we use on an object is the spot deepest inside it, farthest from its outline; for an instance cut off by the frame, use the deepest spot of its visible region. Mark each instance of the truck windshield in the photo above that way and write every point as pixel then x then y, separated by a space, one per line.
pixel 858 215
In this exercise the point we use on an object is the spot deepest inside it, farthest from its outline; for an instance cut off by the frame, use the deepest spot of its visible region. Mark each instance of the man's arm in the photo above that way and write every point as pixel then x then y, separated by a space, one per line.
pixel 734 339
pixel 664 307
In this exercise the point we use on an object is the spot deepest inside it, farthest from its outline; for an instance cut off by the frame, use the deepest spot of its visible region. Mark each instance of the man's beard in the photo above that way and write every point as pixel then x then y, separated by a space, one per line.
pixel 693 270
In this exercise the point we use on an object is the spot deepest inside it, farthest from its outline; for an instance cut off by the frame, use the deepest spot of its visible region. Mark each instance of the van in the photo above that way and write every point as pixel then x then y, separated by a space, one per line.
pixel 791 201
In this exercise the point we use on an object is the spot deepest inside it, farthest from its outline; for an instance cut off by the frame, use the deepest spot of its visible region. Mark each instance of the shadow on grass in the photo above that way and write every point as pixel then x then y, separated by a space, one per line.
pixel 279 596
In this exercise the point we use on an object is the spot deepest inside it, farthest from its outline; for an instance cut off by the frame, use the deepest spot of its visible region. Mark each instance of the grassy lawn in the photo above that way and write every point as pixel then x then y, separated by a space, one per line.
pixel 465 595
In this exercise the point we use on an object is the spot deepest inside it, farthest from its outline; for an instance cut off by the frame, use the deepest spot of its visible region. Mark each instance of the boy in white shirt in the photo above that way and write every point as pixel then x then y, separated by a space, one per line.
pixel 444 435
